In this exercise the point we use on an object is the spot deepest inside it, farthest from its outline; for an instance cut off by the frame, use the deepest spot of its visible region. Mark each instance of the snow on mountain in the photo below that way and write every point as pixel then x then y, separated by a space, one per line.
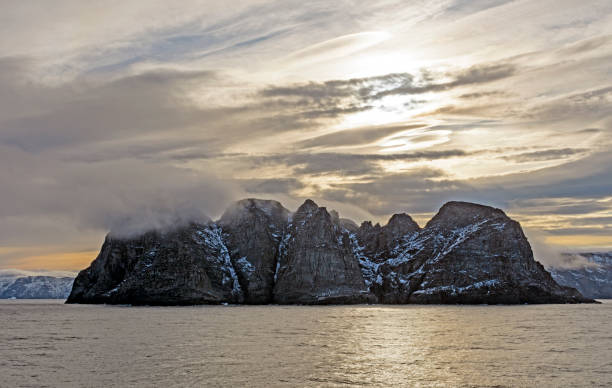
pixel 20 284
pixel 589 273
pixel 260 253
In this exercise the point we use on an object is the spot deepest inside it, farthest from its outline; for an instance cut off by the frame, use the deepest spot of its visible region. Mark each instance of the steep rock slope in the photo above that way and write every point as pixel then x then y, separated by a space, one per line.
pixel 467 253
pixel 260 253
pixel 188 265
pixel 589 273
pixel 317 264
pixel 380 241
pixel 253 229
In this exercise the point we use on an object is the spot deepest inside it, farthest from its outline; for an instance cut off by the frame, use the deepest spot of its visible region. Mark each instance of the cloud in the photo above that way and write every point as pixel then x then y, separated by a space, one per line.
pixel 356 137
pixel 367 89
pixel 561 206
pixel 484 94
pixel 586 45
pixel 422 190
pixel 471 6
pixel 591 105
pixel 545 155
pixel 474 75
pixel 592 231
pixel 347 164
pixel 336 47
pixel 22 273
pixel 551 255
pixel 144 113
pixel 125 196
pixel 419 190
pixel 84 111
pixel 273 186
pixel 355 90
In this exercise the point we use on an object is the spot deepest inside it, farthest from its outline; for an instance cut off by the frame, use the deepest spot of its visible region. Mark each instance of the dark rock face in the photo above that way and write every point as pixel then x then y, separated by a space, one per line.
pixel 189 265
pixel 317 263
pixel 253 229
pixel 589 273
pixel 467 253
pixel 260 253
pixel 380 241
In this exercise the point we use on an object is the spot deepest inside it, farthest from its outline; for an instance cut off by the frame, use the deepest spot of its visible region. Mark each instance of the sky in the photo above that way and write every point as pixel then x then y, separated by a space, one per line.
pixel 125 116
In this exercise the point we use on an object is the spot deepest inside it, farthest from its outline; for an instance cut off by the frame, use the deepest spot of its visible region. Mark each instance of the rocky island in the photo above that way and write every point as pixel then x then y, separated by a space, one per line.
pixel 259 252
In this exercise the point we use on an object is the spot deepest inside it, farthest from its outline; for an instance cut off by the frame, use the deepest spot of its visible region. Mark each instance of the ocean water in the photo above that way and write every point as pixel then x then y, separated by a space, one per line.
pixel 47 343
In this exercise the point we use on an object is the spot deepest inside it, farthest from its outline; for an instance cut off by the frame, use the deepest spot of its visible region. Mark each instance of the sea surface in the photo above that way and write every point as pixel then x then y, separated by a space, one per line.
pixel 46 343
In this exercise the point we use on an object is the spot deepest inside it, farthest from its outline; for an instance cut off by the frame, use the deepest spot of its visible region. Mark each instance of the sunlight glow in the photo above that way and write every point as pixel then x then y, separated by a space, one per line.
pixel 413 139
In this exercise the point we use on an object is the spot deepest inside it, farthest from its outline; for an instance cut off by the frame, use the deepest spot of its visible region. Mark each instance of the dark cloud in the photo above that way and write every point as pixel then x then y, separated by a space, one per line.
pixel 424 190
pixel 364 90
pixel 334 112
pixel 589 130
pixel 322 91
pixel 594 221
pixel 561 206
pixel 346 164
pixel 417 190
pixel 91 140
pixel 478 74
pixel 598 231
pixel 94 153
pixel 333 98
pixel 476 95
pixel 484 110
pixel 84 111
pixel 543 155
pixel 354 137
pixel 588 177
pixel 591 106
pixel 272 186
pixel 124 195
pixel 142 109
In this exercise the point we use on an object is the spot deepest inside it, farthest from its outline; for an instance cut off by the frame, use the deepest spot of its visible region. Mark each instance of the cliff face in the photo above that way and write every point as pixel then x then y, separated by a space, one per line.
pixel 253 229
pixel 188 265
pixel 467 253
pixel 380 241
pixel 260 253
pixel 317 264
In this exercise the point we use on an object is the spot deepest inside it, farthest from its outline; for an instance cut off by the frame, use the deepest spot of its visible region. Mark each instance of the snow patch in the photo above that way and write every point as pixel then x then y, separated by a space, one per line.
pixel 245 266
pixel 212 236
pixel 454 290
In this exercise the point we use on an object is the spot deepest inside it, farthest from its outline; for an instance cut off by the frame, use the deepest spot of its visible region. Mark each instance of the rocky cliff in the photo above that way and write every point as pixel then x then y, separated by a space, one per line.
pixel 259 252
pixel 188 265
pixel 467 253
pixel 253 230
pixel 317 264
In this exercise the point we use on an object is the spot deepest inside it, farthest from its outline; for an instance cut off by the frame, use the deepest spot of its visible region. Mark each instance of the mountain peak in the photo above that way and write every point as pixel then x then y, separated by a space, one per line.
pixel 269 207
pixel 459 213
pixel 467 253
pixel 308 206
pixel 403 221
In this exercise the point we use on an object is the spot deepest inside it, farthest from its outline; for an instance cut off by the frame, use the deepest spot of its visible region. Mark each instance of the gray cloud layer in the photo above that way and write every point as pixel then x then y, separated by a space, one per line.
pixel 172 122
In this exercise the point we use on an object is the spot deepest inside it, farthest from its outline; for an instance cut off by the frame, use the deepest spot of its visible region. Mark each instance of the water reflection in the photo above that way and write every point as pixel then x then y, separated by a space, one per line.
pixel 45 343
